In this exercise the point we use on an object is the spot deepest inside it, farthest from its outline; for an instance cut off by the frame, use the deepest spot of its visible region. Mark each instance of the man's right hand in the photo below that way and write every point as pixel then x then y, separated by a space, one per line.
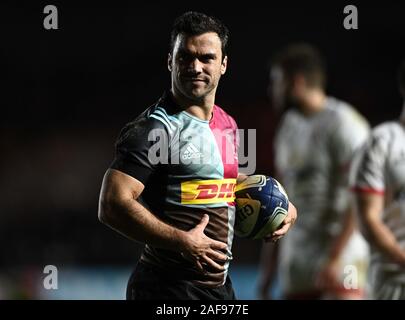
pixel 202 250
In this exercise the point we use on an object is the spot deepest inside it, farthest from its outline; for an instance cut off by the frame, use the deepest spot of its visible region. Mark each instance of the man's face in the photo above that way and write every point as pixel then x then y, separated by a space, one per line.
pixel 196 65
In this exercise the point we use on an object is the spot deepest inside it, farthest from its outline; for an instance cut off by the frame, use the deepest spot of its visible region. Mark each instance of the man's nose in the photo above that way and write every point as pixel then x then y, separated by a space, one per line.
pixel 195 66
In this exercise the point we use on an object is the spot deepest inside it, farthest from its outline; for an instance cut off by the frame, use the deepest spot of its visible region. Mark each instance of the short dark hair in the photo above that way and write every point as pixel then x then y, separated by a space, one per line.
pixel 196 23
pixel 304 59
pixel 401 77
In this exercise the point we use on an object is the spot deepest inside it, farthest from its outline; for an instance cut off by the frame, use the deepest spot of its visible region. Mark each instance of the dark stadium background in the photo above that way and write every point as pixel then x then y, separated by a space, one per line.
pixel 65 94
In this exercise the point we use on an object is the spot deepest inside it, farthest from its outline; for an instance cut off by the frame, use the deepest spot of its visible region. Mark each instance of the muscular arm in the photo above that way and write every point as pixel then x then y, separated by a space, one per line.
pixel 343 237
pixel 369 208
pixel 328 277
pixel 120 210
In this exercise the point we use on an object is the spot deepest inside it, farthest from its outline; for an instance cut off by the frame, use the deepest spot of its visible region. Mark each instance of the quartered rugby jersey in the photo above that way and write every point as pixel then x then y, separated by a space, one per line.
pixel 189 168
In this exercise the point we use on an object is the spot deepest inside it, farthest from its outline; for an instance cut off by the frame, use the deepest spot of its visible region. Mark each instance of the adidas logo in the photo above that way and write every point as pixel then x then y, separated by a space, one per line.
pixel 191 152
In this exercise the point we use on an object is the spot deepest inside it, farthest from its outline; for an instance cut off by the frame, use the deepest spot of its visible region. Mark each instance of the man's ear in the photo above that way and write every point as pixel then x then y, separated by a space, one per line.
pixel 224 64
pixel 169 62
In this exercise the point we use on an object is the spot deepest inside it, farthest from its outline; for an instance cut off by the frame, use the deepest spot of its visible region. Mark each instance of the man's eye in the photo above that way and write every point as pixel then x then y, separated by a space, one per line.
pixel 184 59
pixel 206 59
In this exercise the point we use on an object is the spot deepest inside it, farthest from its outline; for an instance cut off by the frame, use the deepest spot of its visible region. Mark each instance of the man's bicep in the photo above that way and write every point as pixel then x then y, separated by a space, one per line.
pixel 119 185
pixel 345 144
pixel 367 174
pixel 370 206
pixel 117 190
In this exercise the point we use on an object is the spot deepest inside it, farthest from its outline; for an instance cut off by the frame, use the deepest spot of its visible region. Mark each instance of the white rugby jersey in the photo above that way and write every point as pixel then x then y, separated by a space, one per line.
pixel 380 168
pixel 312 158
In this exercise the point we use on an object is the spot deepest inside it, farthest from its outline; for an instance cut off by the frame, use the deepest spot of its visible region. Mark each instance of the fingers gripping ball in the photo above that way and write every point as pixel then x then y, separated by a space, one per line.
pixel 261 206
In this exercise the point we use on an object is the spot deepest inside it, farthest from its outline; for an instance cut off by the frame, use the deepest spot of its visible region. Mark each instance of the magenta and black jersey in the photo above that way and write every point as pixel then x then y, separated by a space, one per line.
pixel 189 168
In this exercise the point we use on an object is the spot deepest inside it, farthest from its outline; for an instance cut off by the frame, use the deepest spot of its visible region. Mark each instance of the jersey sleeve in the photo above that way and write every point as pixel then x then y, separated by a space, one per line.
pixel 140 148
pixel 368 168
pixel 350 134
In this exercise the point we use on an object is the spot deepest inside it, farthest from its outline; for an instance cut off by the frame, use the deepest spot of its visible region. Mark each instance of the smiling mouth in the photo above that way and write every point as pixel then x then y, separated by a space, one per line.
pixel 194 79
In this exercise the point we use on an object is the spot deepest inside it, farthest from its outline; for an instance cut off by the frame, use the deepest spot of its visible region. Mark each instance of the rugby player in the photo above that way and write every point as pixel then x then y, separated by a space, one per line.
pixel 379 186
pixel 314 146
pixel 171 183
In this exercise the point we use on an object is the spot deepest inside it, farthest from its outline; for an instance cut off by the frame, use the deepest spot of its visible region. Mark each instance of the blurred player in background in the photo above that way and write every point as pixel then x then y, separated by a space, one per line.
pixel 314 145
pixel 172 182
pixel 379 186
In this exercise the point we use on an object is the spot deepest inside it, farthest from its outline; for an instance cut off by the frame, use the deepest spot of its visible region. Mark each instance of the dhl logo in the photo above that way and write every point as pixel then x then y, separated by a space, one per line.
pixel 208 191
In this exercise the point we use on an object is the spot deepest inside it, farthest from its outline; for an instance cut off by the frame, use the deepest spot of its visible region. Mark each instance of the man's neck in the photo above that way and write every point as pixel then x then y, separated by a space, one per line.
pixel 201 109
pixel 313 102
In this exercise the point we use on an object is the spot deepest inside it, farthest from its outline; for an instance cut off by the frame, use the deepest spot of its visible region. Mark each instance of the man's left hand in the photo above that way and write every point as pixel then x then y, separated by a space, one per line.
pixel 285 225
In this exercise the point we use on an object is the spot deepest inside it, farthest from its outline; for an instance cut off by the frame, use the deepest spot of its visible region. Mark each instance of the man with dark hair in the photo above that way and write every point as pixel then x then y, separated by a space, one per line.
pixel 304 59
pixel 314 146
pixel 378 181
pixel 193 23
pixel 171 184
